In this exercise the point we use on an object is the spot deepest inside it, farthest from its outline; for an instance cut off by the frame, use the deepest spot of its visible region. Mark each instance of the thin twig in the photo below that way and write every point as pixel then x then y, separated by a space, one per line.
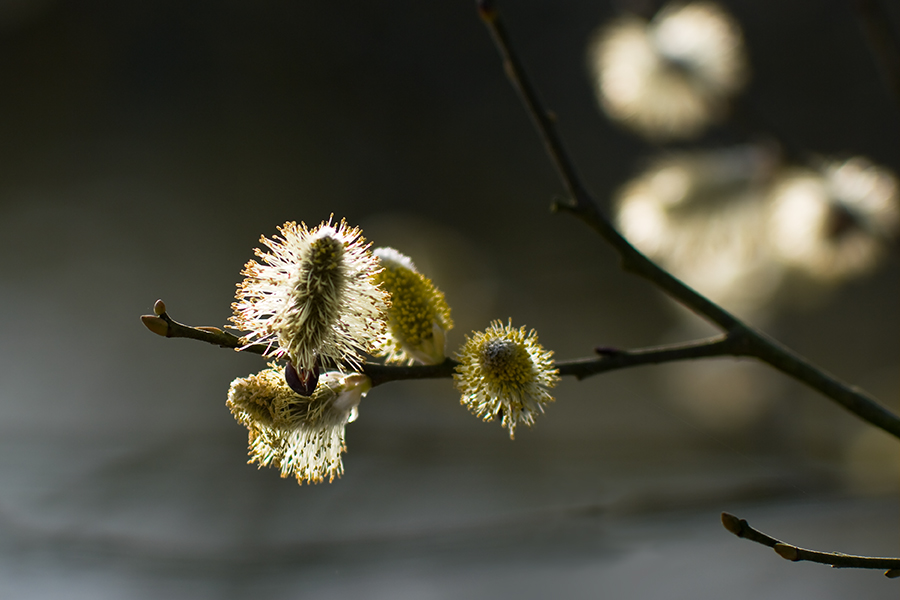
pixel 753 342
pixel 608 360
pixel 742 529
pixel 619 359
pixel 164 325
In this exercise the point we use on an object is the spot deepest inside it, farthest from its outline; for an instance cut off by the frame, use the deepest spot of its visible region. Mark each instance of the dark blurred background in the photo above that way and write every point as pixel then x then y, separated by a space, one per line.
pixel 145 147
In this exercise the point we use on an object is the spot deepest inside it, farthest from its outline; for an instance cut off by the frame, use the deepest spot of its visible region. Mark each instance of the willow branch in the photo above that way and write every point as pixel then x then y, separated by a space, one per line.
pixel 608 359
pixel 583 206
pixel 742 529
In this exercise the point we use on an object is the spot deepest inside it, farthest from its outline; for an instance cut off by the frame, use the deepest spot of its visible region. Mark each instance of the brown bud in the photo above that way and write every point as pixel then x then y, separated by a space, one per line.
pixel 732 523
pixel 301 381
pixel 786 551
pixel 156 325
pixel 159 307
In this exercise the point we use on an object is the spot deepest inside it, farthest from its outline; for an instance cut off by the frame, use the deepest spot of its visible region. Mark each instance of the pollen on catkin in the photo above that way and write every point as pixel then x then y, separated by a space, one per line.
pixel 312 298
pixel 418 317
pixel 504 372
pixel 302 436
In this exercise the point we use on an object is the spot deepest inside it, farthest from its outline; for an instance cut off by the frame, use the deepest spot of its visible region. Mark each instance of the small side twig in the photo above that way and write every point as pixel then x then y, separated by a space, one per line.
pixel 723 345
pixel 162 324
pixel 838 560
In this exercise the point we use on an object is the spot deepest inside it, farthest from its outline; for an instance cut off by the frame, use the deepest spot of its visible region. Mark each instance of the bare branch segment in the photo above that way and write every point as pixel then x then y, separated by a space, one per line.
pixel 838 560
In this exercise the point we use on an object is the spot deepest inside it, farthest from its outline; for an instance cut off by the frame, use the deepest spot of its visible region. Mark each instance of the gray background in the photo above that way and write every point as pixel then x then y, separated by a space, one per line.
pixel 145 147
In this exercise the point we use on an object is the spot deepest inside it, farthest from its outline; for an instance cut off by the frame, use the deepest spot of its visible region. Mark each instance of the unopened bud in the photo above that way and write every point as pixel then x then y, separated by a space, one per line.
pixel 304 381
pixel 156 325
pixel 786 551
pixel 732 524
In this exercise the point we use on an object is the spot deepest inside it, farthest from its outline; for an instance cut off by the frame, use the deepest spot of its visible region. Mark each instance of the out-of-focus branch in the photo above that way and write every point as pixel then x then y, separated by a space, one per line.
pixel 742 529
pixel 883 43
pixel 582 205
pixel 609 359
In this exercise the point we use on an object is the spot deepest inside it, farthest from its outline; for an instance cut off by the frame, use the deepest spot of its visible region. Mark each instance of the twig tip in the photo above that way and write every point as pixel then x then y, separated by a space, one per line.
pixel 732 524
pixel 563 206
pixel 156 325
pixel 560 205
